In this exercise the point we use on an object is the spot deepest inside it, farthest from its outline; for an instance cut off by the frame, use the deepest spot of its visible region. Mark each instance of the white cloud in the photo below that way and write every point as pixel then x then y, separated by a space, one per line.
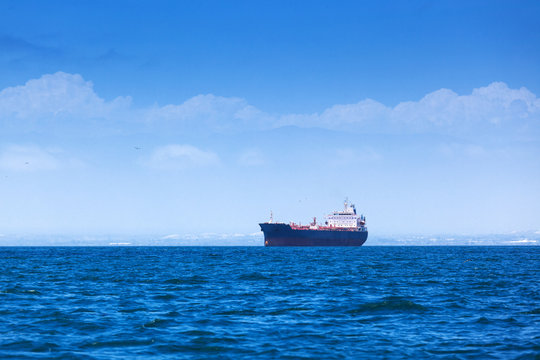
pixel 28 158
pixel 523 241
pixel 58 94
pixel 491 110
pixel 171 237
pixel 209 112
pixel 251 157
pixel 495 107
pixel 177 156
pixel 364 111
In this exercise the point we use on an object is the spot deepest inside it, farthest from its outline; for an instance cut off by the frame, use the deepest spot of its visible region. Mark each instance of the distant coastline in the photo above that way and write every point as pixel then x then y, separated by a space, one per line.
pixel 521 238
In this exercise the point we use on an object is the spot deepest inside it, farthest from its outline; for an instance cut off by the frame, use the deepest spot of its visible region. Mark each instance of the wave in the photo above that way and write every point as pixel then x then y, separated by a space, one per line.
pixel 389 305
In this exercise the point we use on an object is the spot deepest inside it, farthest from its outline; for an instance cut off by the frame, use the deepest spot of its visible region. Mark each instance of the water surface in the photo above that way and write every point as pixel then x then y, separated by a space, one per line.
pixel 245 302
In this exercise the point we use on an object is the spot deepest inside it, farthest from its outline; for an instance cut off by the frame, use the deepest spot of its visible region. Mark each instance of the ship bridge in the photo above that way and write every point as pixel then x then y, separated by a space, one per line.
pixel 346 218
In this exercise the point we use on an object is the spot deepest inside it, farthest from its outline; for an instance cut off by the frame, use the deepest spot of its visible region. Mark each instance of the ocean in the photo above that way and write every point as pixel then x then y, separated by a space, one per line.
pixel 270 303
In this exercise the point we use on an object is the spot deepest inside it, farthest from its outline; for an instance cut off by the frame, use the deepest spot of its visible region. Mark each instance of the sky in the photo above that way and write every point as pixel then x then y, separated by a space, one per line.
pixel 189 118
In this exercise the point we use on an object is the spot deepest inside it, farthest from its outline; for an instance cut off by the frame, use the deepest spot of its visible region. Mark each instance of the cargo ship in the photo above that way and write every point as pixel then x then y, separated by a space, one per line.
pixel 341 228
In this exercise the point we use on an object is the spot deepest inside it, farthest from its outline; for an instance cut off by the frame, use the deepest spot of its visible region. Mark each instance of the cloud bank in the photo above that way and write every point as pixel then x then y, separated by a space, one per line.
pixel 211 112
pixel 488 110
pixel 57 95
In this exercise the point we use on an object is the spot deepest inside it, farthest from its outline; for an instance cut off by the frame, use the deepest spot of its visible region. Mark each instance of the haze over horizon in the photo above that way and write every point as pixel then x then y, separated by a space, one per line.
pixel 193 118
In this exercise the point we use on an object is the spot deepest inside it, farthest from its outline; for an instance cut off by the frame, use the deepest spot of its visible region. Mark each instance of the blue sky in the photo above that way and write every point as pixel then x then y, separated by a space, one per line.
pixel 194 117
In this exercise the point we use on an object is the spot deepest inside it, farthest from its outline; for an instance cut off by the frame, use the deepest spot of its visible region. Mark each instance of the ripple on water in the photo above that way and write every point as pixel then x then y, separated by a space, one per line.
pixel 289 310
pixel 243 303
pixel 253 276
pixel 157 323
pixel 197 333
pixel 20 291
pixel 165 297
pixel 389 305
pixel 121 343
pixel 190 280
pixel 133 310
pixel 239 312
pixel 532 312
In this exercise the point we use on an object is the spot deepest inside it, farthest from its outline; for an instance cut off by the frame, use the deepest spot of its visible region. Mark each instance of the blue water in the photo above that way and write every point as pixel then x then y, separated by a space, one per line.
pixel 246 302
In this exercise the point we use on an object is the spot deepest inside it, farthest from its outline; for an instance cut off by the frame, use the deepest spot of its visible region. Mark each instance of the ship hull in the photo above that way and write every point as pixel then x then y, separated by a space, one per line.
pixel 284 235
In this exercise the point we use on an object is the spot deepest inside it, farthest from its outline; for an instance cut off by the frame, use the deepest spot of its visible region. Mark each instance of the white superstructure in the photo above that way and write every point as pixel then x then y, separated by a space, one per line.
pixel 346 218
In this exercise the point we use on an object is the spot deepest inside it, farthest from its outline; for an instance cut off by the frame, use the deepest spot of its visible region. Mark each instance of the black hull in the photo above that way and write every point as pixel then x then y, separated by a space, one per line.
pixel 284 235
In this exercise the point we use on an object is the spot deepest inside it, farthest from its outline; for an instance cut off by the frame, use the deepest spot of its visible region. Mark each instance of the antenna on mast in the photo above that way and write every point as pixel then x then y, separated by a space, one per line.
pixel 271 217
